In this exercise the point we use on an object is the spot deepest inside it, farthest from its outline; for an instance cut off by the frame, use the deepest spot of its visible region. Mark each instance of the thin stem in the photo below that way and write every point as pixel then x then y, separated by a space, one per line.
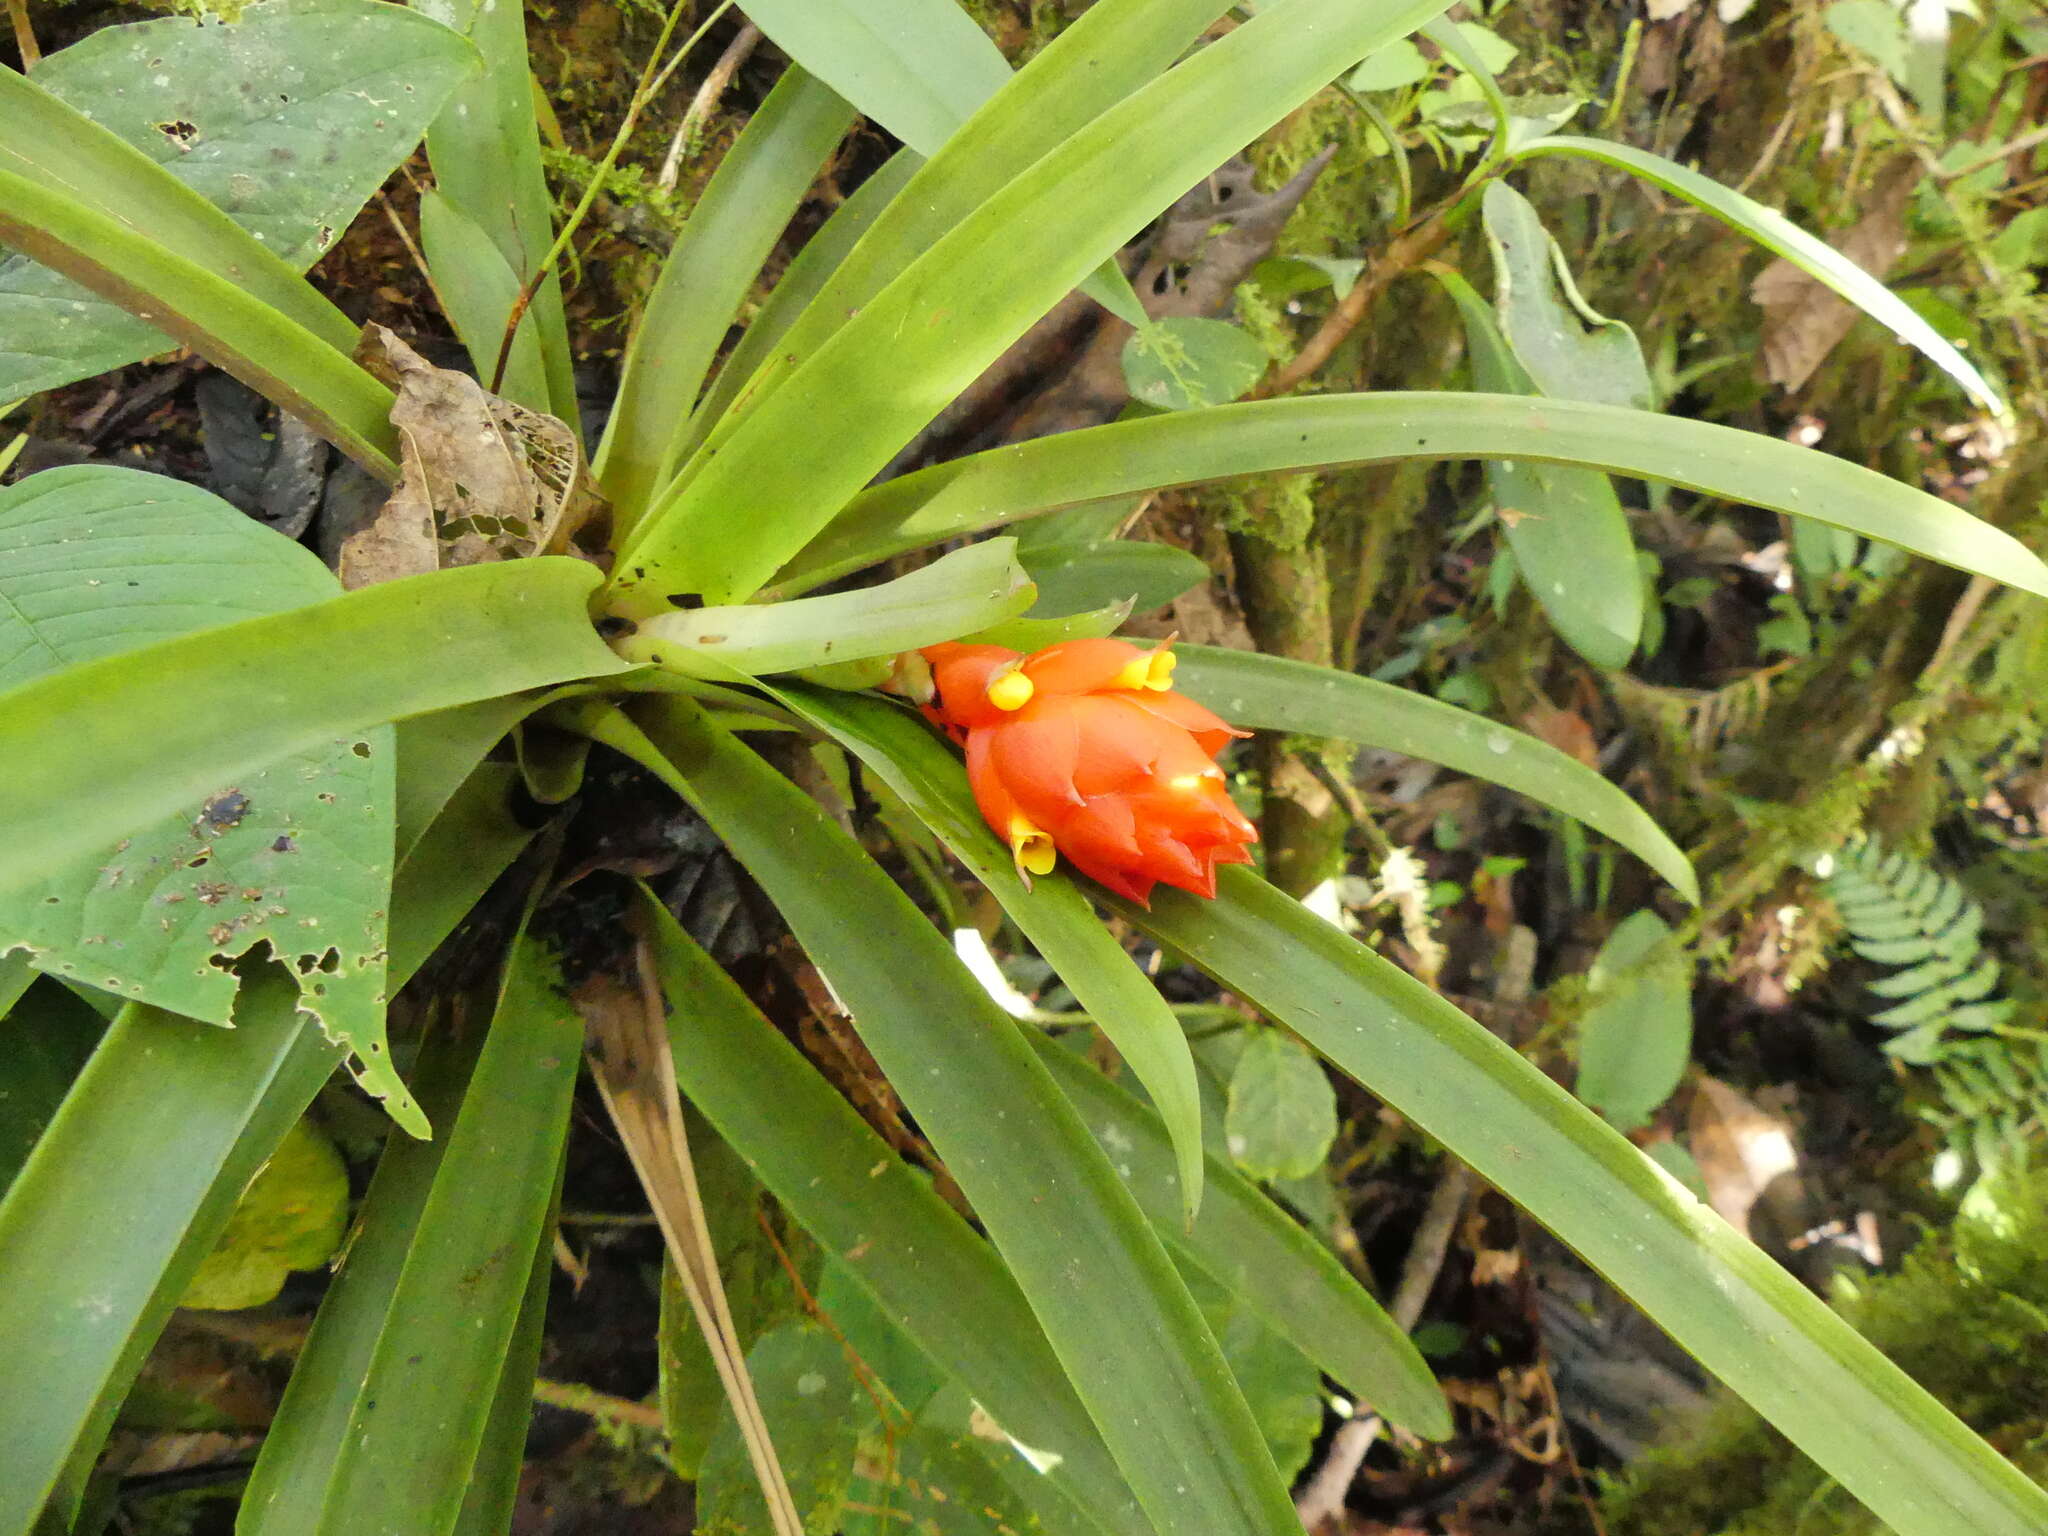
pixel 24 35
pixel 642 94
pixel 737 52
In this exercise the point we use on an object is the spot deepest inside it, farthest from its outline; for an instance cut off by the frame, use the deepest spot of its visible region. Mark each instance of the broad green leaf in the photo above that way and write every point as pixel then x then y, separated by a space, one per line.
pixel 1569 352
pixel 889 1232
pixel 1270 693
pixel 1874 27
pixel 292 1217
pixel 263 347
pixel 1281 1115
pixel 476 289
pixel 816 1412
pixel 289 1481
pixel 1779 235
pixel 1570 538
pixel 1280 1383
pixel 1079 578
pixel 835 421
pixel 174 722
pixel 967 590
pixel 1113 1308
pixel 418 1400
pixel 986 490
pixel 247 148
pixel 731 230
pixel 485 150
pixel 1636 1037
pixel 123 1197
pixel 1252 1248
pixel 293 853
pixel 1389 68
pixel 1916 1465
pixel 1051 912
pixel 1185 362
pixel 46 1037
pixel 943 1479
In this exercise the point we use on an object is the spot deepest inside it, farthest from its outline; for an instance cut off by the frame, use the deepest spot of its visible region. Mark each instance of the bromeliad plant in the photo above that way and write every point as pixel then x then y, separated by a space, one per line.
pixel 237 794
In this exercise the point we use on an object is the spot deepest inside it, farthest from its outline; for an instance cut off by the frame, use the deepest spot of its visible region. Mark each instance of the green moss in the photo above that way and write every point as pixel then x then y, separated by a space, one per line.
pixel 1966 1317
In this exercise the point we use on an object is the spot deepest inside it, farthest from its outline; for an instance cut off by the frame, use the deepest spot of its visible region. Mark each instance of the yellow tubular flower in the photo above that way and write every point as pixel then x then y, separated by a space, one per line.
pixel 1031 848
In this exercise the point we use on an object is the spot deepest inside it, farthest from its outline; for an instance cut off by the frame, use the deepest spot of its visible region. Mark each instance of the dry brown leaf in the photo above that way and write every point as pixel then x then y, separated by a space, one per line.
pixel 1563 729
pixel 1749 1160
pixel 481 479
pixel 1804 320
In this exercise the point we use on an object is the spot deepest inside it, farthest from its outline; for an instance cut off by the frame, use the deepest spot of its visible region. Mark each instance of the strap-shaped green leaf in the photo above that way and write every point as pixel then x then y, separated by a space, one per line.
pixel 1115 1311
pixel 397 1383
pixel 167 724
pixel 1274 694
pixel 477 288
pixel 64 151
pixel 1779 235
pixel 1114 48
pixel 1742 1316
pixel 122 1198
pixel 731 230
pixel 853 403
pixel 246 147
pixel 485 150
pixel 986 490
pixel 263 347
pixel 912 1253
pixel 807 272
pixel 967 590
pixel 1262 1255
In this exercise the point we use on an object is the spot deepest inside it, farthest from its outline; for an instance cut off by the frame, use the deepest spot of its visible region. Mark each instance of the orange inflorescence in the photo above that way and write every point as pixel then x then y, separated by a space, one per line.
pixel 1084 749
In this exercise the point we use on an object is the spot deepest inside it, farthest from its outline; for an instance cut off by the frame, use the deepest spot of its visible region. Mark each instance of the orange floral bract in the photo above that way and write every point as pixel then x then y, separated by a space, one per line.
pixel 1084 750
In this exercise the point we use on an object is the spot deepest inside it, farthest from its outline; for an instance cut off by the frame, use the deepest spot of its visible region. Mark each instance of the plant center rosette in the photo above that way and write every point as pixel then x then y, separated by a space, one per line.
pixel 1084 750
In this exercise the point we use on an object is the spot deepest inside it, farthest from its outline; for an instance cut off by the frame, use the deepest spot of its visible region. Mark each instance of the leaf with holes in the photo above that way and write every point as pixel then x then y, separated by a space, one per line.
pixel 295 855
pixel 288 120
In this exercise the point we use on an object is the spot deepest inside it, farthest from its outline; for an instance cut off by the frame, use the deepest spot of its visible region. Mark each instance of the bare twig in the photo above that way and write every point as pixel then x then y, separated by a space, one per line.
pixel 1408 248
pixel 281 1338
pixel 413 250
pixel 1959 618
pixel 24 35
pixel 1324 1495
pixel 736 53
pixel 1425 1259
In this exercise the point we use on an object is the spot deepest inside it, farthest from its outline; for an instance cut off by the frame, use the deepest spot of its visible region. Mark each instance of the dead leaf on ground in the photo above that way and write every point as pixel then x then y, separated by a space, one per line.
pixel 1749 1160
pixel 1804 319
pixel 1564 729
pixel 481 479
